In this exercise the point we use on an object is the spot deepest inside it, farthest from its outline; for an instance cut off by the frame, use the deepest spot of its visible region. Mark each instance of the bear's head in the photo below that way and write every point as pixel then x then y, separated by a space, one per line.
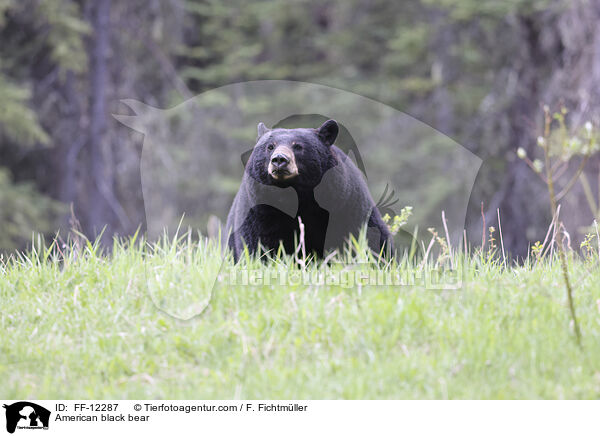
pixel 293 157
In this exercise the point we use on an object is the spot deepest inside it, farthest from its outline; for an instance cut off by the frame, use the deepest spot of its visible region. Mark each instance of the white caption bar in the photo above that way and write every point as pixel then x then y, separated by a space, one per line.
pixel 22 417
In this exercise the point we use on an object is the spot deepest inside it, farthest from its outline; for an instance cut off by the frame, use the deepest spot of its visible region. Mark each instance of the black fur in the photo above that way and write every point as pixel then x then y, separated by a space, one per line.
pixel 329 195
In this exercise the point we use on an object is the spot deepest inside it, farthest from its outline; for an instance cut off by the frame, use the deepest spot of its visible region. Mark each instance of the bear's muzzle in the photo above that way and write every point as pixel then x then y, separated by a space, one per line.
pixel 282 165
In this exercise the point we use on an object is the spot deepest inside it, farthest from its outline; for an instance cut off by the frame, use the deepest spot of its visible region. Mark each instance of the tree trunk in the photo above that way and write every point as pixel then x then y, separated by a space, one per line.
pixel 99 215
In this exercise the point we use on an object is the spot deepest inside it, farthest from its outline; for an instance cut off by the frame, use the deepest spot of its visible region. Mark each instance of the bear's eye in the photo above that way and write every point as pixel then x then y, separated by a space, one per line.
pixel 270 147
pixel 297 147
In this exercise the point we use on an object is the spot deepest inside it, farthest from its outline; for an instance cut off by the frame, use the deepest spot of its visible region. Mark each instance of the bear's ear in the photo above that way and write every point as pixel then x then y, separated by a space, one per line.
pixel 262 129
pixel 328 131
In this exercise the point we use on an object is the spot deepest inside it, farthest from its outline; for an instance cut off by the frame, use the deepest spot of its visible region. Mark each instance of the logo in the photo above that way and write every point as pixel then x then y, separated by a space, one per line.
pixel 26 415
pixel 190 168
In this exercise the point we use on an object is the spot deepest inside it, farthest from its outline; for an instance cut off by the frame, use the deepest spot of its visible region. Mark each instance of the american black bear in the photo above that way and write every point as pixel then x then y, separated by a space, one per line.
pixel 300 173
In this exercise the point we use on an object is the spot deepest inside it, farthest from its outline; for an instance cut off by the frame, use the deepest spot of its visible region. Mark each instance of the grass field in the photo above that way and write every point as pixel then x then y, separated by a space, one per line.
pixel 77 324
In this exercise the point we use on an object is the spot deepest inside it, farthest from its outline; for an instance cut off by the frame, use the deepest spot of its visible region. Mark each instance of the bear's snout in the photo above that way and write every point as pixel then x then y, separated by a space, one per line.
pixel 282 165
pixel 280 160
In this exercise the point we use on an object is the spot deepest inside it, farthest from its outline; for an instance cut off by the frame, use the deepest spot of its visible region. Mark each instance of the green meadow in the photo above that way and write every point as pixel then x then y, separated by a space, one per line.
pixel 166 320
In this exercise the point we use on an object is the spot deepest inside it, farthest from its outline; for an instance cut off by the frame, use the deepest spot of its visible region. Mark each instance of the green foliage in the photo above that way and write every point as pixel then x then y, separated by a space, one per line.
pixel 399 220
pixel 466 10
pixel 18 122
pixel 537 249
pixel 52 29
pixel 64 32
pixel 587 246
pixel 23 210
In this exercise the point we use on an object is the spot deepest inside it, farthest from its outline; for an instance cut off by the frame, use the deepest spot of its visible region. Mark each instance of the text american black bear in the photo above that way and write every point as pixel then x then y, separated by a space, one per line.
pixel 300 173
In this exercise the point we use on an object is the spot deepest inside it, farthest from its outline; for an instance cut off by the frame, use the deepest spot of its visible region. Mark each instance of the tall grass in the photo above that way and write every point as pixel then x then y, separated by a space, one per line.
pixel 141 320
